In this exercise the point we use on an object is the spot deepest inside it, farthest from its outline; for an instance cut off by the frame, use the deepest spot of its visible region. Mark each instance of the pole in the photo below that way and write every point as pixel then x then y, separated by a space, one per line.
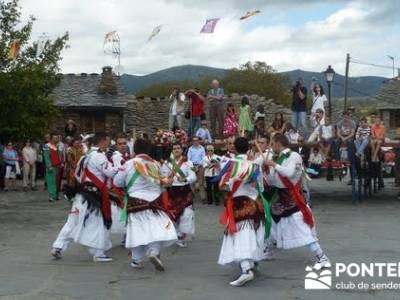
pixel 330 99
pixel 393 67
pixel 346 80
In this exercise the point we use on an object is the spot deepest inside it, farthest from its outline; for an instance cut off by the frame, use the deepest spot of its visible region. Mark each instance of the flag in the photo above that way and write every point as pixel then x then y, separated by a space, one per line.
pixel 155 31
pixel 249 14
pixel 15 46
pixel 209 26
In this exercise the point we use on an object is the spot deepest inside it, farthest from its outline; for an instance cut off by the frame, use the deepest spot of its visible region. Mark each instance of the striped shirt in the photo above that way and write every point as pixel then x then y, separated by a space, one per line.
pixel 363 133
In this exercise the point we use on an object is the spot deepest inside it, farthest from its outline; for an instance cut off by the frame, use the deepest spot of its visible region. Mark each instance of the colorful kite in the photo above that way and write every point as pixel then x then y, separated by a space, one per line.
pixel 249 14
pixel 209 26
pixel 15 46
pixel 155 31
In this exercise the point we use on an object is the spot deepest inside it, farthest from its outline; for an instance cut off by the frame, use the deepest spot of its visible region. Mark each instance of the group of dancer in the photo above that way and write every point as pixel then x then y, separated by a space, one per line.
pixel 151 204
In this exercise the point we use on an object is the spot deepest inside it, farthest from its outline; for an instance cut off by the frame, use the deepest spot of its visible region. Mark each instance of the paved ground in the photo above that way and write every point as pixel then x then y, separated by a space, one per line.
pixel 28 225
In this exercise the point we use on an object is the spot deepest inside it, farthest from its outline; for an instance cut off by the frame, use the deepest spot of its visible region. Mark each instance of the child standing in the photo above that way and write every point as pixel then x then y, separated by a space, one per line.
pixel 230 123
pixel 245 124
pixel 362 137
pixel 327 137
pixel 378 136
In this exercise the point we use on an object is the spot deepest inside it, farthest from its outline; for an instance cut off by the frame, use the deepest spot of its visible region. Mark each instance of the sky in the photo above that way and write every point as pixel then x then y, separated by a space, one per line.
pixel 287 34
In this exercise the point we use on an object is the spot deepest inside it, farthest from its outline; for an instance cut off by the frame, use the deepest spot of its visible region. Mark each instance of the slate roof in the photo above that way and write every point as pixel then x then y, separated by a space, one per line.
pixel 389 95
pixel 81 90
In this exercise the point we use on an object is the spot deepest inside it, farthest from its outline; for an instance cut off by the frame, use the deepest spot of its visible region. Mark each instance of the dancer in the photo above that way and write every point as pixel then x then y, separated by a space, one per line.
pixel 53 158
pixel 89 221
pixel 149 227
pixel 243 215
pixel 180 193
pixel 293 224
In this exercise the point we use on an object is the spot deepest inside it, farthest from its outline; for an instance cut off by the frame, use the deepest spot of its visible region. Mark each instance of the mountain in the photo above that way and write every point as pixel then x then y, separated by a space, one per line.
pixel 133 83
pixel 358 86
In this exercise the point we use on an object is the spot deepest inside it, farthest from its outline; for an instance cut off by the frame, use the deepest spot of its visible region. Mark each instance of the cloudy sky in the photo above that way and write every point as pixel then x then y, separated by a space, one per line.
pixel 288 34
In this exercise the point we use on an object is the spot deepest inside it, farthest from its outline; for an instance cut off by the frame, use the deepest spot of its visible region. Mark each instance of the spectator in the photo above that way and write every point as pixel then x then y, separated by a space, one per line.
pixel 260 120
pixel 74 154
pixel 216 100
pixel 2 166
pixel 362 137
pixel 230 123
pixel 291 134
pixel 211 169
pixel 29 156
pixel 345 129
pixel 245 124
pixel 204 133
pixel 10 157
pixel 299 107
pixel 70 128
pixel 319 103
pixel 303 150
pixel 196 112
pixel 377 137
pixel 176 109
pixel 278 125
pixel 315 162
pixel 196 155
pixel 317 123
pixel 327 138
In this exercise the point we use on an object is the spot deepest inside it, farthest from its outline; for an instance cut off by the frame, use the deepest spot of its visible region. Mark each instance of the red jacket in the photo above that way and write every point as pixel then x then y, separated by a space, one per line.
pixel 197 105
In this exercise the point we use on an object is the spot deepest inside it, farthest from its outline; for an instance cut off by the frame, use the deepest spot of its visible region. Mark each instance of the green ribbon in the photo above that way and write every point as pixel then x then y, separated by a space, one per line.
pixel 267 202
pixel 177 168
pixel 124 213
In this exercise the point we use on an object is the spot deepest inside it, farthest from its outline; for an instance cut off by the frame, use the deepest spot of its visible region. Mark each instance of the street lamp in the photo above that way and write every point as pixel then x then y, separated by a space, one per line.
pixel 329 76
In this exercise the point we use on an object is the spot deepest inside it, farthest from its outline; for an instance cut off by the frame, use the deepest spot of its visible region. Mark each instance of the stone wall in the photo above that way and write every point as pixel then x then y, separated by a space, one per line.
pixel 148 114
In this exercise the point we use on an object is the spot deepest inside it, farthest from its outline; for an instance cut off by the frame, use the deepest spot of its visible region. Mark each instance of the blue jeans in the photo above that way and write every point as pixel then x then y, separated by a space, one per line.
pixel 193 127
pixel 299 122
pixel 361 144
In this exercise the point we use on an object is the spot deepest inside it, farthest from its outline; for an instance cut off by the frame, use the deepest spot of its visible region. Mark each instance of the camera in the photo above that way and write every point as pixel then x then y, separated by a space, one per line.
pixel 297 86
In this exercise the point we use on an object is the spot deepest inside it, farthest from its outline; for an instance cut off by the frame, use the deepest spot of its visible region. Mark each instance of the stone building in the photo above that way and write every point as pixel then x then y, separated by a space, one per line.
pixel 387 102
pixel 94 101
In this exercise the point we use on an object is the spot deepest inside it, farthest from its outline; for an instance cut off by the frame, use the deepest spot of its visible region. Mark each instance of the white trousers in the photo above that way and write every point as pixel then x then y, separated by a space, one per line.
pixel 140 252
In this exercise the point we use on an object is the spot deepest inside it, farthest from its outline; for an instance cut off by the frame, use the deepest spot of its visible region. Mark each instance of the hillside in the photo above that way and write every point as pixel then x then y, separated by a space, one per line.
pixel 358 86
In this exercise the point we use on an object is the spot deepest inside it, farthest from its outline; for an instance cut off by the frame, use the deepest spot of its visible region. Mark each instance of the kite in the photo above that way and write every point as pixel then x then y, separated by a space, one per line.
pixel 155 31
pixel 111 44
pixel 249 14
pixel 209 26
pixel 15 46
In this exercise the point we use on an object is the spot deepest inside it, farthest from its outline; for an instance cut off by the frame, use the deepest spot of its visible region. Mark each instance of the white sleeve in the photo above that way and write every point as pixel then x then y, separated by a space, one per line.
pixel 119 179
pixel 291 168
pixel 165 171
pixel 190 175
pixel 106 167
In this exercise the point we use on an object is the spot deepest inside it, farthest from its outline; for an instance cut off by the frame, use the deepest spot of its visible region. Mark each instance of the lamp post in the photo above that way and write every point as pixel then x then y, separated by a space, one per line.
pixel 329 76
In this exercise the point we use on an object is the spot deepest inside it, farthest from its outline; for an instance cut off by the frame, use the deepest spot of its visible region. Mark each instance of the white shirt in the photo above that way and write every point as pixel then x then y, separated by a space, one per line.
pixel 117 159
pixel 208 170
pixel 246 189
pixel 186 167
pixel 292 168
pixel 143 188
pixel 327 131
pixel 293 137
pixel 29 155
pixel 318 103
pixel 98 164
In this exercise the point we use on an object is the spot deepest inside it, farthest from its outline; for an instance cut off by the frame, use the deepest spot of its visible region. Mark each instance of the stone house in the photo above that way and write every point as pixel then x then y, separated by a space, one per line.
pixel 94 101
pixel 387 102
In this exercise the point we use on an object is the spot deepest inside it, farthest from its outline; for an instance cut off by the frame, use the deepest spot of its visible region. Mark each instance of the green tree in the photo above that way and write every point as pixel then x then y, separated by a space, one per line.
pixel 258 78
pixel 27 81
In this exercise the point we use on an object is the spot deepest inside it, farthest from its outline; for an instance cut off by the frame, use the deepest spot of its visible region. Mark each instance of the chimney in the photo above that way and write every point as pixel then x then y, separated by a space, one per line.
pixel 107 84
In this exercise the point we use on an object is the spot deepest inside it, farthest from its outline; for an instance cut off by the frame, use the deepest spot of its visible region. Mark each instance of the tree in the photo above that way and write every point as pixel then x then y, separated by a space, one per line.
pixel 26 81
pixel 258 78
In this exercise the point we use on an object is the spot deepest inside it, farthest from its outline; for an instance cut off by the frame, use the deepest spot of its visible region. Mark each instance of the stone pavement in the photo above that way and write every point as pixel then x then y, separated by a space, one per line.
pixel 368 232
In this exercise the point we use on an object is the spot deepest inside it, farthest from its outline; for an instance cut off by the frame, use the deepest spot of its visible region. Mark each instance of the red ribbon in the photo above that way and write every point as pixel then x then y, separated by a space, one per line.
pixel 105 197
pixel 295 190
pixel 227 216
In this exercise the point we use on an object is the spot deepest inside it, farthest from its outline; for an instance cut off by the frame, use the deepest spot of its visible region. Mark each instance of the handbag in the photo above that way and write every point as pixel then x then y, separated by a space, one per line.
pixel 203 116
pixel 187 115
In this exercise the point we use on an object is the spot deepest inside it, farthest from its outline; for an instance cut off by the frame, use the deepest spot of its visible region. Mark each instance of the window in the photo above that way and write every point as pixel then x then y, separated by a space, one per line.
pixel 92 122
pixel 395 118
